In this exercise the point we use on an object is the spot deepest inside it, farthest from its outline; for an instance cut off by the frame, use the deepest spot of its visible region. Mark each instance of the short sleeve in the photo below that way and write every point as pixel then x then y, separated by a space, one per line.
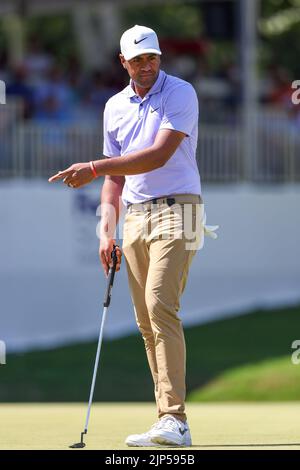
pixel 181 110
pixel 111 147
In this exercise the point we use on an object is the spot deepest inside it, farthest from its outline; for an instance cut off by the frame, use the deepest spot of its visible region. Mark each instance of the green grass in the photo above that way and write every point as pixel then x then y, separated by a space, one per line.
pixel 224 359
pixel 273 379
pixel 213 426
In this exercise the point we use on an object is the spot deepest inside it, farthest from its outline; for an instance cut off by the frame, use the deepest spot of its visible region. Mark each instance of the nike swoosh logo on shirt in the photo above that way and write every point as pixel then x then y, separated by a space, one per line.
pixel 152 110
pixel 137 42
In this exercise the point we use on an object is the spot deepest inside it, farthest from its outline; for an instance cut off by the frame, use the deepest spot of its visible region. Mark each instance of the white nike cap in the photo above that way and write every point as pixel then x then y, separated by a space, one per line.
pixel 139 40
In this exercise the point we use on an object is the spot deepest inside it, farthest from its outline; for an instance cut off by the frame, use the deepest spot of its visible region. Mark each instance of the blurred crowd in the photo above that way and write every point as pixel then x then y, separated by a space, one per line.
pixel 51 91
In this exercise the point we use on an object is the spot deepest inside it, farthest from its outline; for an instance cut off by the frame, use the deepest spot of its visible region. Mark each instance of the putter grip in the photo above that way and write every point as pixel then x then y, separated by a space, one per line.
pixel 111 275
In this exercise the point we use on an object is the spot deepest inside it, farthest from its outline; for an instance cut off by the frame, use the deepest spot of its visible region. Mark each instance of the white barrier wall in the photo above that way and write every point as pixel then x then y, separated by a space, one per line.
pixel 52 284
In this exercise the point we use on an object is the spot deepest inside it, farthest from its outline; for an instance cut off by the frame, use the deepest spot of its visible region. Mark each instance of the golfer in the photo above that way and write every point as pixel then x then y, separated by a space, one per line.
pixel 150 139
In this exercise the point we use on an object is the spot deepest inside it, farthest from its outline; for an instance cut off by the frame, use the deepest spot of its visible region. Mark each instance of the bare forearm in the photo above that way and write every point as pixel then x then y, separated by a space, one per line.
pixel 135 163
pixel 110 208
pixel 142 161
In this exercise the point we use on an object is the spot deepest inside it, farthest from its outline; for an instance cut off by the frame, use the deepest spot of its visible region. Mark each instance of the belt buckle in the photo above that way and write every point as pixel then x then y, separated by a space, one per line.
pixel 170 201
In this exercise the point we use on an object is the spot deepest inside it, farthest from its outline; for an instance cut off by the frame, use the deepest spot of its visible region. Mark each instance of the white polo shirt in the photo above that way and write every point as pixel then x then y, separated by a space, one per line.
pixel 131 123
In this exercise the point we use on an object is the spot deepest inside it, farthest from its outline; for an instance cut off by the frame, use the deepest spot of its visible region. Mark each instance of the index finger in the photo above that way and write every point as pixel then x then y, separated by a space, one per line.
pixel 60 175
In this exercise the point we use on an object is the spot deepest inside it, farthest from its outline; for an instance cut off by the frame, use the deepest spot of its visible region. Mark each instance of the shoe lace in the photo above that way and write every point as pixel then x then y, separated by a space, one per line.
pixel 154 426
pixel 169 423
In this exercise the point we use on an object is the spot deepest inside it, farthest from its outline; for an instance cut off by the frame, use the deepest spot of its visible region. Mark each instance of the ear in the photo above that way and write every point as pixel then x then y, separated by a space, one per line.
pixel 122 60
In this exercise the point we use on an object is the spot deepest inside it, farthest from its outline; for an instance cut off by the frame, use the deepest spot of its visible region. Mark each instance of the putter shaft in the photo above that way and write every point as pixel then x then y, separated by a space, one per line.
pixel 106 303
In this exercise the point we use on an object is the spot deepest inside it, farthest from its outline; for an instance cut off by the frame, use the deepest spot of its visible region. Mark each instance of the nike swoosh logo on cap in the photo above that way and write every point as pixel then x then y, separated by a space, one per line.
pixel 137 42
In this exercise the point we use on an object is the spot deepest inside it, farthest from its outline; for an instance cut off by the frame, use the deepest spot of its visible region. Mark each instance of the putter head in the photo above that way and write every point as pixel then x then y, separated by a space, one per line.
pixel 81 444
pixel 78 445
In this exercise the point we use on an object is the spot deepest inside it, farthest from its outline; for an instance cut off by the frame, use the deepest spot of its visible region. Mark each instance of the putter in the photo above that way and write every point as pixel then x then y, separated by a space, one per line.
pixel 111 275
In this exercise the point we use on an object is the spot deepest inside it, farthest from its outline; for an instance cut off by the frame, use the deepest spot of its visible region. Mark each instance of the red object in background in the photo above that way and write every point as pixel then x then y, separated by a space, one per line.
pixel 282 94
pixel 184 46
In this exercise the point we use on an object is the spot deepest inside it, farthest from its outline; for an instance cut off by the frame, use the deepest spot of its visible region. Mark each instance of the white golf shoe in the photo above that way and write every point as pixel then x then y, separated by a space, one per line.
pixel 170 431
pixel 142 440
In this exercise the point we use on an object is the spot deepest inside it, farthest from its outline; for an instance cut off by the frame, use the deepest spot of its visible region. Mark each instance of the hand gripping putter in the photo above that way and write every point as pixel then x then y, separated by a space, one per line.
pixel 111 275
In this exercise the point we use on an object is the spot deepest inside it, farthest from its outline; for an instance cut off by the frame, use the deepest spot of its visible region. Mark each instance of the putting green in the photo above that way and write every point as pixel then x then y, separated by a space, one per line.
pixel 213 426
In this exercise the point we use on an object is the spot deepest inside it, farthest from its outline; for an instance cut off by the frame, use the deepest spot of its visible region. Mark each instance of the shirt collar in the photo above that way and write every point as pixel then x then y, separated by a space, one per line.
pixel 156 88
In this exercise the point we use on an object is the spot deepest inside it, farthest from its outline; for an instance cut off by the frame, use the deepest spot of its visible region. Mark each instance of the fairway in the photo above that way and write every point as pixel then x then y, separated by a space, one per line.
pixel 213 425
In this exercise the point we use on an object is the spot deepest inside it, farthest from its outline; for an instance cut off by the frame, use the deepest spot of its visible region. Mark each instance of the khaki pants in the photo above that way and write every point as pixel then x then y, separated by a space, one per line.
pixel 158 252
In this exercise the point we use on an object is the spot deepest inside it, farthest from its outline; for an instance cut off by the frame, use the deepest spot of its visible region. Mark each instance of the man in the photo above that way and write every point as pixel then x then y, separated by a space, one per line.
pixel 150 138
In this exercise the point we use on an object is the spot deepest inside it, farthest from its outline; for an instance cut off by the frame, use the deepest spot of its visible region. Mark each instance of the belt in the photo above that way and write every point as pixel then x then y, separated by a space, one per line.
pixel 180 199
pixel 169 200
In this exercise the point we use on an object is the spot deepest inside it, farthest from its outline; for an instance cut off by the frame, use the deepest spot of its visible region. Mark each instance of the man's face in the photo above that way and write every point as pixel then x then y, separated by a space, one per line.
pixel 142 69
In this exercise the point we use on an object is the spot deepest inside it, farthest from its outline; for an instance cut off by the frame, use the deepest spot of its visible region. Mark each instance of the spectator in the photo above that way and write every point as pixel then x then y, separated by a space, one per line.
pixel 101 89
pixel 75 76
pixel 18 87
pixel 281 91
pixel 37 61
pixel 4 72
pixel 54 98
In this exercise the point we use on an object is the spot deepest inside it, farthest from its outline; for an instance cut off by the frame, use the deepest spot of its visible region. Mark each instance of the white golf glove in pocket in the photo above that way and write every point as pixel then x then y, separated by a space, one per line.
pixel 209 230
